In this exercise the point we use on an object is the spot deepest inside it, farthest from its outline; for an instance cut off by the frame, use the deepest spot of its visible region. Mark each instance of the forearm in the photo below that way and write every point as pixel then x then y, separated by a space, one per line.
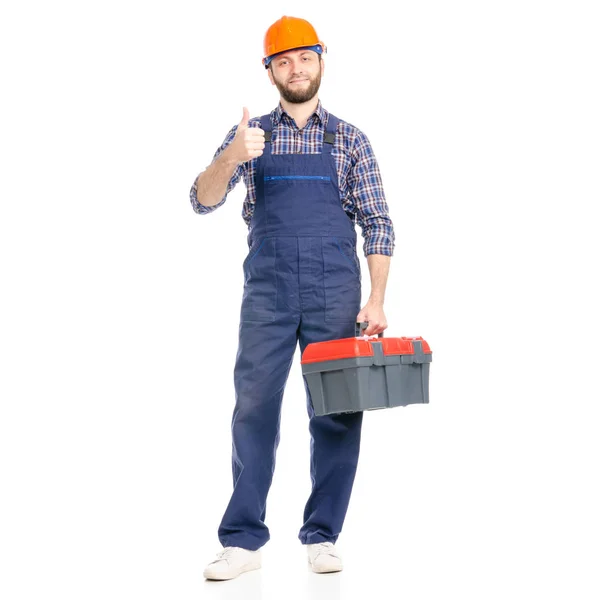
pixel 379 266
pixel 212 183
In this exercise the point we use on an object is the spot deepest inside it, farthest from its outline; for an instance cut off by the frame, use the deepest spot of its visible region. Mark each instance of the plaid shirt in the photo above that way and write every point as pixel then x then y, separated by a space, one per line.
pixel 359 180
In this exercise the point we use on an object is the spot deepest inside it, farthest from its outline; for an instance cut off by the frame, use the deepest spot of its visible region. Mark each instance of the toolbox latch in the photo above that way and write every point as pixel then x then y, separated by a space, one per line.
pixel 378 355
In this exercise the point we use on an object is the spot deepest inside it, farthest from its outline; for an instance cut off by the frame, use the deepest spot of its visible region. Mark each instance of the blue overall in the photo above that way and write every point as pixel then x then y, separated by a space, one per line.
pixel 302 284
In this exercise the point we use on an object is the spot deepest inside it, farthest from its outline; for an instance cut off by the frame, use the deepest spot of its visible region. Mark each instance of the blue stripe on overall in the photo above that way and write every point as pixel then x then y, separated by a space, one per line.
pixel 302 284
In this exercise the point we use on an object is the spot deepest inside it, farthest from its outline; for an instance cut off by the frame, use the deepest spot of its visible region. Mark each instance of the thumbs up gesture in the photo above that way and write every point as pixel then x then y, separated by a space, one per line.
pixel 249 142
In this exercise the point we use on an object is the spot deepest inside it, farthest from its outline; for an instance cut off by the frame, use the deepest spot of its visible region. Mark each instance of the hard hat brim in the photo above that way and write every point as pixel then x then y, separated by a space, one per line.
pixel 318 48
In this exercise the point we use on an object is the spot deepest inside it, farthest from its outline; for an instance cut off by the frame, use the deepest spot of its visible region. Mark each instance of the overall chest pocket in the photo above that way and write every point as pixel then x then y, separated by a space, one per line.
pixel 298 202
pixel 259 300
pixel 298 178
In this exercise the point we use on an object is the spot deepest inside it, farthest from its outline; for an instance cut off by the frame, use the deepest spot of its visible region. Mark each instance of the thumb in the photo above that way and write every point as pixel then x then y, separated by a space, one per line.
pixel 245 118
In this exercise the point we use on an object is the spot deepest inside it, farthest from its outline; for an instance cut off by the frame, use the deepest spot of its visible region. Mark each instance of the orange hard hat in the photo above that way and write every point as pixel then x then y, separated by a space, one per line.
pixel 289 33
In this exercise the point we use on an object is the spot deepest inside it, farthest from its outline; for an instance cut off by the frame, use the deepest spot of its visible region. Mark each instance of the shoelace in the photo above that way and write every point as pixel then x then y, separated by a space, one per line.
pixel 224 554
pixel 325 548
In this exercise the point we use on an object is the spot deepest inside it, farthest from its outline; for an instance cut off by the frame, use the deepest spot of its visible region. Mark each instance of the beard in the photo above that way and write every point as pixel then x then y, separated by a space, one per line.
pixel 298 96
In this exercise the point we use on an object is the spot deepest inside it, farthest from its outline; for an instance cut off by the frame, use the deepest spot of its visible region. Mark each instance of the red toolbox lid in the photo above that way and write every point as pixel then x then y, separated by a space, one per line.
pixel 355 347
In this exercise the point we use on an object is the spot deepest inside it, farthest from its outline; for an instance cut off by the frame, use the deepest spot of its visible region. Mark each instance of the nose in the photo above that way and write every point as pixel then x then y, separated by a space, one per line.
pixel 297 74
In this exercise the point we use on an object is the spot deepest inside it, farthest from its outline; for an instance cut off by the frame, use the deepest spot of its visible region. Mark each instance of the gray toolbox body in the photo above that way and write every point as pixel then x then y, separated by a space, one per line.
pixel 369 375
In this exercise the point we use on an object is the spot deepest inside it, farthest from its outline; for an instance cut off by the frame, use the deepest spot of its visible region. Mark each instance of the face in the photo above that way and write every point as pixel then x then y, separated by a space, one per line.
pixel 297 75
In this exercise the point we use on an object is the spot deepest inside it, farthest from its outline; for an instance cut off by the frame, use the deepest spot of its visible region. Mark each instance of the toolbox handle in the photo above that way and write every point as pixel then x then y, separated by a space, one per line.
pixel 360 325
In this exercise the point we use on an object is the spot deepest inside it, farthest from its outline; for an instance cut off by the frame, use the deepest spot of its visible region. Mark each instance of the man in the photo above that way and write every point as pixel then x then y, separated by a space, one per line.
pixel 309 177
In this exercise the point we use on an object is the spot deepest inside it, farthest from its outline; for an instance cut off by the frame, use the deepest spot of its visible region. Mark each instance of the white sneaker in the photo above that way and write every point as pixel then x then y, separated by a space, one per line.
pixel 231 562
pixel 323 558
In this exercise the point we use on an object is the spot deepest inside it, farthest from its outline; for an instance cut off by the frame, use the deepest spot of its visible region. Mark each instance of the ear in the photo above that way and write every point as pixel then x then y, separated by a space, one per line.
pixel 270 76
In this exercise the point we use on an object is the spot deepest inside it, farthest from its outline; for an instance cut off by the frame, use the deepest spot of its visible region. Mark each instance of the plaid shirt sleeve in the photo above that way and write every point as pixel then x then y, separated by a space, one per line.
pixel 366 188
pixel 237 174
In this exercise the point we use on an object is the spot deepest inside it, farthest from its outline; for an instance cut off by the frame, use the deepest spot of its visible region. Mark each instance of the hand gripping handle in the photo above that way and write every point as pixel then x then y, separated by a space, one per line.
pixel 358 328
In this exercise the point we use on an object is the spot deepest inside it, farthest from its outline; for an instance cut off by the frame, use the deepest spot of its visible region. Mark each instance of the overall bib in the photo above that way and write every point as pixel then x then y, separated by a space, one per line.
pixel 302 284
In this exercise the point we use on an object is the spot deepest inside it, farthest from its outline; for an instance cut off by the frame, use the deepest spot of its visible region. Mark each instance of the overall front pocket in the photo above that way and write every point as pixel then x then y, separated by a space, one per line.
pixel 341 280
pixel 259 301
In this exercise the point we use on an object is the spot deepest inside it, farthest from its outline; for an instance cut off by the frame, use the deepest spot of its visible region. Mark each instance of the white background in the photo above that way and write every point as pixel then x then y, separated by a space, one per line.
pixel 120 305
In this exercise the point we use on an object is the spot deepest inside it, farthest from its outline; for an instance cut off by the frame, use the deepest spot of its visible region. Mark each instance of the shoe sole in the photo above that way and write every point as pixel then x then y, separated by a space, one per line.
pixel 226 577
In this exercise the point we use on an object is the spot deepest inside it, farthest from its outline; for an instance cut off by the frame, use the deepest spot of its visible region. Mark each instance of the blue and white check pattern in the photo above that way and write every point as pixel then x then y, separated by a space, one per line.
pixel 361 188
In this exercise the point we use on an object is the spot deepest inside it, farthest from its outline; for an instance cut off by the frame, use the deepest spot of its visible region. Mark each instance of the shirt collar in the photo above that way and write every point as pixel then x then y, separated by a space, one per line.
pixel 320 113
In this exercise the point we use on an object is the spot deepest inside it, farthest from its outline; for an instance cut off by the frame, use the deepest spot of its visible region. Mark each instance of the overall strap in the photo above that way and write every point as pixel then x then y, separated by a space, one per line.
pixel 329 135
pixel 265 125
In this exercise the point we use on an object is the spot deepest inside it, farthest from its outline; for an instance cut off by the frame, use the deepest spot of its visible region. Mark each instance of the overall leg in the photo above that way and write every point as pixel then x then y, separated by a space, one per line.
pixel 334 451
pixel 330 294
pixel 262 366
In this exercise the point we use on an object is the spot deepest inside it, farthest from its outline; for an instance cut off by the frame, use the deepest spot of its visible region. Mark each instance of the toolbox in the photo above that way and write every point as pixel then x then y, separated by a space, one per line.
pixel 366 373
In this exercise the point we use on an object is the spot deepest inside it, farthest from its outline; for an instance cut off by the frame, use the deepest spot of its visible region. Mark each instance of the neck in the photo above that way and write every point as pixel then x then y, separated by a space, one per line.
pixel 300 112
